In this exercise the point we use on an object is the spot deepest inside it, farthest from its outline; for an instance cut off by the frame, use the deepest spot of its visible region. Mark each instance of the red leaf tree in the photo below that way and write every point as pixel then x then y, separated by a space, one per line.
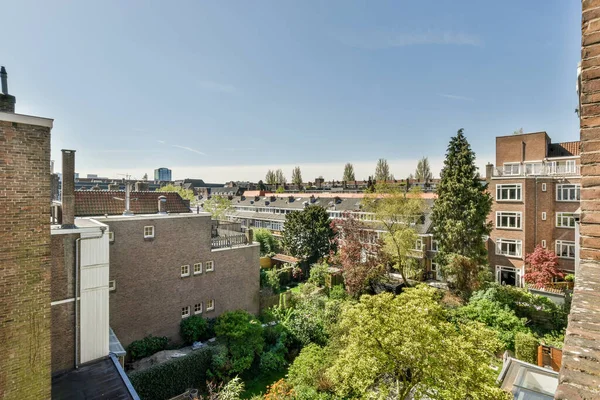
pixel 359 253
pixel 540 267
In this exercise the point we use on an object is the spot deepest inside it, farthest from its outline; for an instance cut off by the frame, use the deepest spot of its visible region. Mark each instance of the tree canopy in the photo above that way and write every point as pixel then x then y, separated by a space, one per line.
pixel 382 171
pixel 307 234
pixel 348 173
pixel 541 267
pixel 217 206
pixel 423 171
pixel 460 212
pixel 280 177
pixel 186 194
pixel 296 176
pixel 270 178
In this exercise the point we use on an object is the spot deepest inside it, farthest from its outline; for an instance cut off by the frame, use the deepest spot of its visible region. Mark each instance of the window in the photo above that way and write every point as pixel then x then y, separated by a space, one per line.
pixel 509 247
pixel 508 192
pixel 566 192
pixel 111 237
pixel 512 168
pixel 543 215
pixel 543 243
pixel 508 275
pixel 148 232
pixel 434 269
pixel 565 249
pixel 185 270
pixel 210 266
pixel 419 244
pixel 198 308
pixel 210 305
pixel 197 268
pixel 534 168
pixel 434 245
pixel 112 285
pixel 565 220
pixel 508 220
pixel 185 312
pixel 570 167
pixel 543 187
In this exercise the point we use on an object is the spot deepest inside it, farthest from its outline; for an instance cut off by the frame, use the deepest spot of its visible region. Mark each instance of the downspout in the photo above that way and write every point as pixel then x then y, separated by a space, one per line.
pixel 77 297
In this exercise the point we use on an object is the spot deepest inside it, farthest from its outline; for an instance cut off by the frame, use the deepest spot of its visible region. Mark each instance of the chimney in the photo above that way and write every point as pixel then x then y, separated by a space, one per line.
pixel 489 171
pixel 141 186
pixel 127 199
pixel 68 189
pixel 7 102
pixel 162 204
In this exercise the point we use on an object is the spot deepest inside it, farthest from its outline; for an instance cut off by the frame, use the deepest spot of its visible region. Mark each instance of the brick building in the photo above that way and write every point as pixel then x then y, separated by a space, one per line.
pixel 536 191
pixel 24 251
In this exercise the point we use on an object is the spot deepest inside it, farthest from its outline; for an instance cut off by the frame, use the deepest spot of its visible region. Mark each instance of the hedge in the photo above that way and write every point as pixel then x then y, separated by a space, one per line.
pixel 147 346
pixel 173 377
pixel 526 347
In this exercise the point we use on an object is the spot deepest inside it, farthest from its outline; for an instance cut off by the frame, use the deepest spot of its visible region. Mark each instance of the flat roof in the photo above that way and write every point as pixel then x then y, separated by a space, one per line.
pixel 104 218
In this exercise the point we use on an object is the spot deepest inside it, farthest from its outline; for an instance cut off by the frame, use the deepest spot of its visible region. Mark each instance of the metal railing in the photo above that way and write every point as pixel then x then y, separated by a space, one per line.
pixel 222 242
pixel 544 170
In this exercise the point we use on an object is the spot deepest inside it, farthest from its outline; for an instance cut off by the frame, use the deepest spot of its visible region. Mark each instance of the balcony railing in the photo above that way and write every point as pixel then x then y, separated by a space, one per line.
pixel 537 170
pixel 222 242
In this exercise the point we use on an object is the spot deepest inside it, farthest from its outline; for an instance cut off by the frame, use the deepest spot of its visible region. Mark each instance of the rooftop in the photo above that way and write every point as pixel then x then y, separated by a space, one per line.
pixel 108 202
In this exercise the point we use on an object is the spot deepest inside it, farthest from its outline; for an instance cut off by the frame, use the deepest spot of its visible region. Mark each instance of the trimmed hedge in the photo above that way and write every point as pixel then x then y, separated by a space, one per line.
pixel 147 346
pixel 526 347
pixel 173 377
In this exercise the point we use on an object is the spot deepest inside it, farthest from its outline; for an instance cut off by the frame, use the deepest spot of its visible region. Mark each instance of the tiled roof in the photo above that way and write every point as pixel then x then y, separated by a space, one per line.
pixel 100 202
pixel 564 149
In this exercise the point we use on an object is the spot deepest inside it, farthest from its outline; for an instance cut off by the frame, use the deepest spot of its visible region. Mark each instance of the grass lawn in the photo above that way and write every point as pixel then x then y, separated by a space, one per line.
pixel 258 384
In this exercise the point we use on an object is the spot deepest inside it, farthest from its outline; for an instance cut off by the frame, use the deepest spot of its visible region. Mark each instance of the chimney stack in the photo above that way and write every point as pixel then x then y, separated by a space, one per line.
pixel 7 102
pixel 68 189
pixel 127 199
pixel 162 204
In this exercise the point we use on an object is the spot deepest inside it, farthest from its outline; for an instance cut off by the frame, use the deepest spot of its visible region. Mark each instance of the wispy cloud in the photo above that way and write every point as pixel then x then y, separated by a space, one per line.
pixel 455 97
pixel 386 40
pixel 189 149
pixel 217 87
pixel 161 141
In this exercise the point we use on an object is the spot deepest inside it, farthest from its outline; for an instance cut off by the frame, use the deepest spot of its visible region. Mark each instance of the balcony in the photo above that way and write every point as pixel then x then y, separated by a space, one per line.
pixel 539 169
pixel 223 242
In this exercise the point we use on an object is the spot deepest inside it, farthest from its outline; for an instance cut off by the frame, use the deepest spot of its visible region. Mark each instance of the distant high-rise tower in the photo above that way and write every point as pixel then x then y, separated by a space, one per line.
pixel 162 174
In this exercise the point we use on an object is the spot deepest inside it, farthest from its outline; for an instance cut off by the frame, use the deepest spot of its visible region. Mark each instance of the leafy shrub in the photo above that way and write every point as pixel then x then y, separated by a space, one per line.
pixel 318 274
pixel 270 279
pixel 171 378
pixel 306 322
pixel 147 346
pixel 308 369
pixel 268 243
pixel 570 278
pixel 242 334
pixel 271 361
pixel 554 339
pixel 338 293
pixel 526 347
pixel 193 329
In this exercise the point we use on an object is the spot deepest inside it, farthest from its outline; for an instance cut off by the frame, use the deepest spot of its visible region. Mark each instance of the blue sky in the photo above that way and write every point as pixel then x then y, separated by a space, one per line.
pixel 227 89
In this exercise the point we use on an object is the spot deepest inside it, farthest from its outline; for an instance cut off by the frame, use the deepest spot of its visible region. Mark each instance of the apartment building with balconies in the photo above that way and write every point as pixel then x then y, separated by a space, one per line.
pixel 535 186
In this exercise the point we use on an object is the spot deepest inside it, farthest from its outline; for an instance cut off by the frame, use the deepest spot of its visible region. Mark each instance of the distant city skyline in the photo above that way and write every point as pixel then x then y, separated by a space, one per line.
pixel 223 91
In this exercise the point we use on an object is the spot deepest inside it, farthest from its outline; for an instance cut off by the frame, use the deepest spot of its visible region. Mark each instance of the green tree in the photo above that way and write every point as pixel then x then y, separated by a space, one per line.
pixel 348 173
pixel 280 177
pixel 186 194
pixel 309 368
pixel 268 243
pixel 460 212
pixel 242 335
pixel 382 171
pixel 393 346
pixel 145 177
pixel 297 176
pixel 423 172
pixel 307 234
pixel 261 185
pixel 271 178
pixel 398 212
pixel 217 206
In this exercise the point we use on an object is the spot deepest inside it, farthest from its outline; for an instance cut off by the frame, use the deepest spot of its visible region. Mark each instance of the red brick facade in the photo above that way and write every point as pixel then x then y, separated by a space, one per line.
pixel 24 258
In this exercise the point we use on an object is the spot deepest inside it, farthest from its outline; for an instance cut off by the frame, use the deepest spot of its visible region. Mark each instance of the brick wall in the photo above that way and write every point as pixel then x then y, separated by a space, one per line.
pixel 24 261
pixel 150 291
pixel 580 371
pixel 519 148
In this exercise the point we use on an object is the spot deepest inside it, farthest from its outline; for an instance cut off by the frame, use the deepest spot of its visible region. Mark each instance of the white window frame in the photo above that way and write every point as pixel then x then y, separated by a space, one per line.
pixel 570 167
pixel 198 308
pixel 543 215
pixel 210 305
pixel 197 268
pixel 535 168
pixel 185 312
pixel 559 247
pixel 543 187
pixel 185 270
pixel 111 236
pixel 210 266
pixel 419 244
pixel 112 285
pixel 148 232
pixel 568 187
pixel 518 274
pixel 511 170
pixel 518 247
pixel 517 215
pixel 435 245
pixel 517 187
pixel 565 220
